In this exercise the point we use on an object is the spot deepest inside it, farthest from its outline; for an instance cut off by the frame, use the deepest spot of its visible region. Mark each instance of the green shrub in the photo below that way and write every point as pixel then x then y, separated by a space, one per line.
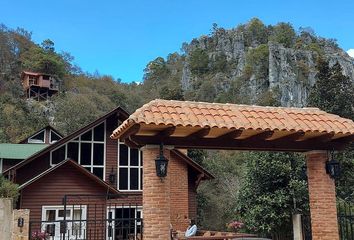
pixel 8 189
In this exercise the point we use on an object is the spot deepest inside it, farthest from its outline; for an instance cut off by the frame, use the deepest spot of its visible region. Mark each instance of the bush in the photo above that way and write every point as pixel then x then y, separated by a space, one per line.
pixel 8 189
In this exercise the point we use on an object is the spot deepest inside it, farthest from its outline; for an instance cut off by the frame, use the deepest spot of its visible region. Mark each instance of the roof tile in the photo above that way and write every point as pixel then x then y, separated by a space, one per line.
pixel 232 116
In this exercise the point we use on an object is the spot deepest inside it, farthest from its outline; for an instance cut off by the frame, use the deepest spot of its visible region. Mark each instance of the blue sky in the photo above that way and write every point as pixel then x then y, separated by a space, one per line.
pixel 120 37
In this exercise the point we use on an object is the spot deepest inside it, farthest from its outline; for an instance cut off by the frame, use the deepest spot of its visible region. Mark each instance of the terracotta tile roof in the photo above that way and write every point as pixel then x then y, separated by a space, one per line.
pixel 233 116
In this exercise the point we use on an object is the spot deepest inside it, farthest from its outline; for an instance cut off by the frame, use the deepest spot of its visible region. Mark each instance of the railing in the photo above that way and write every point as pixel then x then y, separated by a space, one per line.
pixel 214 235
pixel 346 220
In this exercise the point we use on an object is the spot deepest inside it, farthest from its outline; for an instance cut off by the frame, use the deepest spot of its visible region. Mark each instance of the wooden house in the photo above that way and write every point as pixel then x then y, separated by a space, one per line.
pixel 94 184
pixel 39 86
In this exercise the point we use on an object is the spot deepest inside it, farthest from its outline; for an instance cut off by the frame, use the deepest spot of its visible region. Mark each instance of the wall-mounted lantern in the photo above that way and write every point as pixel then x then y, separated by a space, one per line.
pixel 333 167
pixel 161 164
pixel 112 176
pixel 20 222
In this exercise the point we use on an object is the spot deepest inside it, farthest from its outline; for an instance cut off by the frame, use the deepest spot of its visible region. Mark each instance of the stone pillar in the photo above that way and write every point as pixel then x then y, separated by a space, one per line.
pixel 156 197
pixel 5 218
pixel 322 197
pixel 20 233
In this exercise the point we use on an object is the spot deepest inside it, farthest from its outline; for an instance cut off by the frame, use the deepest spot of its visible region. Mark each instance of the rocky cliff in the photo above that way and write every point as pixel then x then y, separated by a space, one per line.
pixel 260 65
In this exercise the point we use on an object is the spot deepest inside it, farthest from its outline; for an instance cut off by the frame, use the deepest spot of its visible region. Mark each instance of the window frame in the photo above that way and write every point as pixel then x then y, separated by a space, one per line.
pixel 50 136
pixel 29 140
pixel 92 142
pixel 128 167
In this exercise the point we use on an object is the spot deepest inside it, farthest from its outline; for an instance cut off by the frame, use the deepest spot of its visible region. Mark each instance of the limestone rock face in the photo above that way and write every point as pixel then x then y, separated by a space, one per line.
pixel 290 72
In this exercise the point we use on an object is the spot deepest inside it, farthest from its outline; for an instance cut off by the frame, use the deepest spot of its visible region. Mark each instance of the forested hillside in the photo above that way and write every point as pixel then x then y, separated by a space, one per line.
pixel 249 64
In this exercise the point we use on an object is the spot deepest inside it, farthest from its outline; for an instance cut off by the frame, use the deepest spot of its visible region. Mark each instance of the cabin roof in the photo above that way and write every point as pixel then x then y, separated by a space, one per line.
pixel 19 151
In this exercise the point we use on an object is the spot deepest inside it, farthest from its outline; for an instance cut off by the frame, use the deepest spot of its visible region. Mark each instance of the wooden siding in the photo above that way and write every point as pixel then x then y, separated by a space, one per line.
pixel 32 169
pixel 7 163
pixel 111 148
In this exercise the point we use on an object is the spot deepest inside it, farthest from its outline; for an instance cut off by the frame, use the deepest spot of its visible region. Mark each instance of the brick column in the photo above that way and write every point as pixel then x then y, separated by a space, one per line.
pixel 322 196
pixel 156 197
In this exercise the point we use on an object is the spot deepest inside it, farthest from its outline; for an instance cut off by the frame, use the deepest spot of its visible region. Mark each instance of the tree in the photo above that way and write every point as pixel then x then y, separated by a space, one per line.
pixel 255 32
pixel 334 93
pixel 266 201
pixel 284 34
pixel 199 61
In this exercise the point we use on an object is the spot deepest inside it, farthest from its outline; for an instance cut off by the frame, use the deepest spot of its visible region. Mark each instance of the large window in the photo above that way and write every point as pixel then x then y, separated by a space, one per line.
pixel 130 162
pixel 53 137
pixel 88 150
pixel 76 216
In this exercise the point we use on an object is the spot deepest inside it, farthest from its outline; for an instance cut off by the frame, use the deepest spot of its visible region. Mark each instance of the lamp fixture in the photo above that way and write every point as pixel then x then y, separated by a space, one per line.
pixel 161 164
pixel 333 167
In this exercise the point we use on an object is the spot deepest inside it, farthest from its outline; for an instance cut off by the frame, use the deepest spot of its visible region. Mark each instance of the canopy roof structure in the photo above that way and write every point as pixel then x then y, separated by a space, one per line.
pixel 186 124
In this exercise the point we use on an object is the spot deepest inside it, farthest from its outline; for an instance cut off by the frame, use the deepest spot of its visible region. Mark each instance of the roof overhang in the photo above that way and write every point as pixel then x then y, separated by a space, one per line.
pixel 186 124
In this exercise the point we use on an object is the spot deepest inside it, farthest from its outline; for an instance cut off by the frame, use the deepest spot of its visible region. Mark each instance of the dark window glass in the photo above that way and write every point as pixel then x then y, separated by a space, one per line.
pixel 87 136
pixel 50 215
pixel 58 155
pixel 98 153
pixel 61 213
pixel 134 179
pixel 98 172
pixel 134 157
pixel 73 151
pixel 141 179
pixel 38 138
pixel 98 133
pixel 141 158
pixel 123 179
pixel 54 137
pixel 123 155
pixel 88 169
pixel 85 158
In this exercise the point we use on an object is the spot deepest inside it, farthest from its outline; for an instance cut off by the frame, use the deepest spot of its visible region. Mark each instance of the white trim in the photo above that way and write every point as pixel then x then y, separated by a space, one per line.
pixel 90 166
pixel 1 163
pixel 111 209
pixel 50 136
pixel 57 208
pixel 29 140
pixel 128 167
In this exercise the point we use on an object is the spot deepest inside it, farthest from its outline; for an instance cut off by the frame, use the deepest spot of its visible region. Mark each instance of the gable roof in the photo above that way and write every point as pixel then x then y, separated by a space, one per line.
pixel 121 112
pixel 75 165
pixel 49 127
pixel 19 151
pixel 213 120
pixel 195 166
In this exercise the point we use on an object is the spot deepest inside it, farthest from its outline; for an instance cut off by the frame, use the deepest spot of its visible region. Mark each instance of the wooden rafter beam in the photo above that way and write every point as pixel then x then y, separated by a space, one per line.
pixel 130 143
pixel 231 135
pixel 241 144
pixel 166 132
pixel 200 133
pixel 323 138
pixel 291 137
pixel 260 136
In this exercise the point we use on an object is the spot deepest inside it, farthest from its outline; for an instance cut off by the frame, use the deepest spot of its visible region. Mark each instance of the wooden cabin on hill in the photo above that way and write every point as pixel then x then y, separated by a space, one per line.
pixel 39 86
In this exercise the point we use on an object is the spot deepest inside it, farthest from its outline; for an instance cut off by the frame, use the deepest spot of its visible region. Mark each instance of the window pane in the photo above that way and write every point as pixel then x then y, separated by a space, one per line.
pixel 98 133
pixel 58 155
pixel 98 149
pixel 54 137
pixel 50 215
pixel 141 179
pixel 88 169
pixel 123 155
pixel 77 214
pixel 73 151
pixel 123 179
pixel 85 158
pixel 61 213
pixel 98 172
pixel 134 179
pixel 87 136
pixel 141 158
pixel 39 138
pixel 134 157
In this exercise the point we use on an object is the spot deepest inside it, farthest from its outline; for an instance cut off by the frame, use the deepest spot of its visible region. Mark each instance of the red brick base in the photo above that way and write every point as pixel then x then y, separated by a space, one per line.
pixel 156 198
pixel 322 198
